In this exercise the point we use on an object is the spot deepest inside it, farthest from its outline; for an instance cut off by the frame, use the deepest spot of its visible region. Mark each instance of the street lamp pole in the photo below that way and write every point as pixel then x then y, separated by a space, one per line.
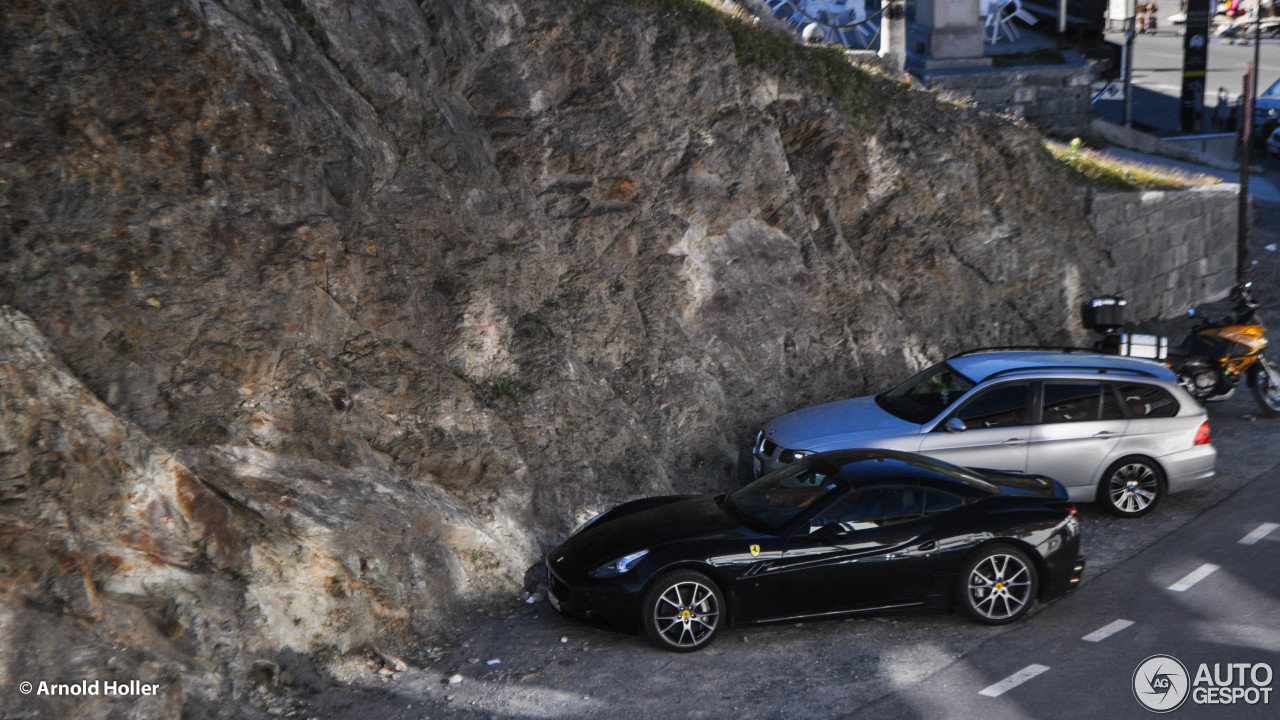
pixel 1246 146
pixel 1127 60
pixel 1242 207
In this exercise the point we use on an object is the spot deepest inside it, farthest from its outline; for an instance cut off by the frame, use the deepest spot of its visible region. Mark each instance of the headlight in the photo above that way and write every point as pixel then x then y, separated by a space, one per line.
pixel 787 456
pixel 619 566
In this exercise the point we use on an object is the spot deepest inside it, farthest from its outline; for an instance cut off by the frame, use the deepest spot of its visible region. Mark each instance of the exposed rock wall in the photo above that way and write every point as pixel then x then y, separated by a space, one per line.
pixel 339 312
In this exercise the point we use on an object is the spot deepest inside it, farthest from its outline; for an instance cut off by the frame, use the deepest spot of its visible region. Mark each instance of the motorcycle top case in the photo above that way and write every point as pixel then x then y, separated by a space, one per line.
pixel 1104 313
pixel 1151 347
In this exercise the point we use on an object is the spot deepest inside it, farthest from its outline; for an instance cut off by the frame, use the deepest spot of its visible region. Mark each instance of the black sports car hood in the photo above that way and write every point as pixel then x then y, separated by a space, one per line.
pixel 641 525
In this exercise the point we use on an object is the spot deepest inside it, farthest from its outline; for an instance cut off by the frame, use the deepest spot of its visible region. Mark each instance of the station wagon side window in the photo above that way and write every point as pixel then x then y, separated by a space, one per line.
pixel 1000 406
pixel 1079 402
pixel 1147 401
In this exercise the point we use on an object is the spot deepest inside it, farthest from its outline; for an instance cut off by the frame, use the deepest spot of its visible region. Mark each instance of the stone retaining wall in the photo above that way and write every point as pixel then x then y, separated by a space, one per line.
pixel 1055 98
pixel 1172 250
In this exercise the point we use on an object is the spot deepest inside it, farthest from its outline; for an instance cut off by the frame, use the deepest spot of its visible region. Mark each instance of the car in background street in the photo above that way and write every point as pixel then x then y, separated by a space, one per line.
pixel 1266 111
pixel 1119 430
pixel 832 534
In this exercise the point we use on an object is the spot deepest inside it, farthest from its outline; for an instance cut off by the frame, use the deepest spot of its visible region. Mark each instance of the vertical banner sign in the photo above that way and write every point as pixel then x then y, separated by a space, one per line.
pixel 1195 60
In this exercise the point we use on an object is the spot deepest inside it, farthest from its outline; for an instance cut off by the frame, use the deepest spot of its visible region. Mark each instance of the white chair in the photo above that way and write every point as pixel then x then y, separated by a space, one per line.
pixel 858 37
pixel 1000 17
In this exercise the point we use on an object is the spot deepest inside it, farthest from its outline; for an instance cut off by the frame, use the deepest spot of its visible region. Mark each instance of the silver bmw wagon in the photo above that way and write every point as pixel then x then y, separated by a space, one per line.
pixel 1114 429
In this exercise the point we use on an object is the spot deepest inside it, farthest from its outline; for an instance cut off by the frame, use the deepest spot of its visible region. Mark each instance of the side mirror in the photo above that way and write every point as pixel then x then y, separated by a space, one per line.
pixel 827 534
pixel 954 425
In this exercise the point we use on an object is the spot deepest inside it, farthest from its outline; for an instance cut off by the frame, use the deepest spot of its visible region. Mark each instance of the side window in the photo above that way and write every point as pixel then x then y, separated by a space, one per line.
pixel 1146 401
pixel 1079 402
pixel 876 506
pixel 936 501
pixel 1000 406
pixel 1071 402
pixel 1111 404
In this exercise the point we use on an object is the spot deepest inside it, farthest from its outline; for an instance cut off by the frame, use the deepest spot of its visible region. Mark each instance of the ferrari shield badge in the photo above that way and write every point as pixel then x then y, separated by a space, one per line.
pixel 755 550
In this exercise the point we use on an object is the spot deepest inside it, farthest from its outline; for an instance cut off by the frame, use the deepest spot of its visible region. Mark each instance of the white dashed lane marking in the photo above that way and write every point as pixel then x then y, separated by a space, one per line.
pixel 1260 532
pixel 1107 631
pixel 1013 680
pixel 1194 577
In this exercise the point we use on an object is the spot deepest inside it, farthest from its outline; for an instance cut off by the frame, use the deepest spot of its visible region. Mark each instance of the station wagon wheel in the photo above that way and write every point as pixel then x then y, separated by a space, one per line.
pixel 683 611
pixel 1131 487
pixel 998 585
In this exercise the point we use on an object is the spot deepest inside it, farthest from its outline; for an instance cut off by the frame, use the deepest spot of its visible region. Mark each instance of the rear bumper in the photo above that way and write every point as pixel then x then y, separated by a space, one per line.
pixel 1188 469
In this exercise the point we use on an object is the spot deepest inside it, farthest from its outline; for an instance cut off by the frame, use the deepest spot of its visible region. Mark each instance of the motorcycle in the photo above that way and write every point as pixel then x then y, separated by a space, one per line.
pixel 1211 360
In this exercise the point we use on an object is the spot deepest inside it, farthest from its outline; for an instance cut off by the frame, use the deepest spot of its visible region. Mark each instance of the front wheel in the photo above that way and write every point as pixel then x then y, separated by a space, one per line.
pixel 997 585
pixel 1131 487
pixel 1264 381
pixel 683 611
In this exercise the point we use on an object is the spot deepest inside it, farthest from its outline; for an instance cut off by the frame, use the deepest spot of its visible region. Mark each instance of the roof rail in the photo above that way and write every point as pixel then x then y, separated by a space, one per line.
pixel 1041 348
pixel 1076 368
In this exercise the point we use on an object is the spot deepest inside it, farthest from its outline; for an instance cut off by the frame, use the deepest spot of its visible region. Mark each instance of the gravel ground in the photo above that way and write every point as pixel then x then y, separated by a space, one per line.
pixel 525 661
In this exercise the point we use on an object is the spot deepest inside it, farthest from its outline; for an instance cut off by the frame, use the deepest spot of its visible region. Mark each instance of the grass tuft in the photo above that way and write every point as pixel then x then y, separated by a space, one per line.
pixel 1097 169
pixel 827 67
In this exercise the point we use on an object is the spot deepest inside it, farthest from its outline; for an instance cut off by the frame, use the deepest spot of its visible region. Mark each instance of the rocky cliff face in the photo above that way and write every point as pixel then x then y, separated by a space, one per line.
pixel 327 317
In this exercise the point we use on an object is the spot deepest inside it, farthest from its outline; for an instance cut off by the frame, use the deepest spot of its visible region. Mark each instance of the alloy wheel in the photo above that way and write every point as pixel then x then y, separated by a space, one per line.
pixel 1133 488
pixel 686 614
pixel 999 587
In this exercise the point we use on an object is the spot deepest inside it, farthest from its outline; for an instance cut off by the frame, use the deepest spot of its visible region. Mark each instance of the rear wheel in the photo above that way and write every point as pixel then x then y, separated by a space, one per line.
pixel 1262 381
pixel 683 611
pixel 1131 487
pixel 997 585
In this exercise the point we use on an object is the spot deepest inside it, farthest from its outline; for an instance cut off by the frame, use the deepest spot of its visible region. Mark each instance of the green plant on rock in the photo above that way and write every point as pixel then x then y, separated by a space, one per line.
pixel 500 388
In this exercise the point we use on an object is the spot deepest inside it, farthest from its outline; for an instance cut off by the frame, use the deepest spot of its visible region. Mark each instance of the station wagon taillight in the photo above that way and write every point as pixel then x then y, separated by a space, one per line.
pixel 1202 435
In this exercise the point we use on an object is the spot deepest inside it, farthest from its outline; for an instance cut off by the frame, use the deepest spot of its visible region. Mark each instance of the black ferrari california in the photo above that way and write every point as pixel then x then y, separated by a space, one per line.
pixel 835 533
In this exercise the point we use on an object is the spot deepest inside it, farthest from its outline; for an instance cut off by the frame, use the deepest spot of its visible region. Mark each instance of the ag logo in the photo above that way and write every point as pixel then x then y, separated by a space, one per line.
pixel 1161 683
pixel 755 550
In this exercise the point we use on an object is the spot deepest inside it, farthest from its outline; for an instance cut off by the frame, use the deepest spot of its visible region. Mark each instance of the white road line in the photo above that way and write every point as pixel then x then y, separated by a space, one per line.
pixel 1013 680
pixel 1196 576
pixel 1260 532
pixel 1107 631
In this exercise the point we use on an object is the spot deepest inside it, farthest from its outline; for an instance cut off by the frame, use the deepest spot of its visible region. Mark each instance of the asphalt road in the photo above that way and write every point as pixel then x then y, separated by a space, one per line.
pixel 1157 76
pixel 1206 593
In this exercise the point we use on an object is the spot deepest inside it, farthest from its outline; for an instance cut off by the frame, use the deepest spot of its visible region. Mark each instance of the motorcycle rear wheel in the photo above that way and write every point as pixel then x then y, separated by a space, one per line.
pixel 1266 392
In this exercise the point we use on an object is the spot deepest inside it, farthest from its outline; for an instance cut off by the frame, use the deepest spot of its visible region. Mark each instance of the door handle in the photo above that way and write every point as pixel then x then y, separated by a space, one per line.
pixel 1012 442
pixel 928 546
pixel 1104 434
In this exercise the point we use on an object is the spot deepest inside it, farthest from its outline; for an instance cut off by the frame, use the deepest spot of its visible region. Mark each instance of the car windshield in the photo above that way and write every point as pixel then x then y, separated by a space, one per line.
pixel 776 499
pixel 1273 91
pixel 924 396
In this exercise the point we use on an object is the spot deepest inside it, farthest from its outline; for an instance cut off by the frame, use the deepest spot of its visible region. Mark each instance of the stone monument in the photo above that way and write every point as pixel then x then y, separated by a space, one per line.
pixel 945 35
